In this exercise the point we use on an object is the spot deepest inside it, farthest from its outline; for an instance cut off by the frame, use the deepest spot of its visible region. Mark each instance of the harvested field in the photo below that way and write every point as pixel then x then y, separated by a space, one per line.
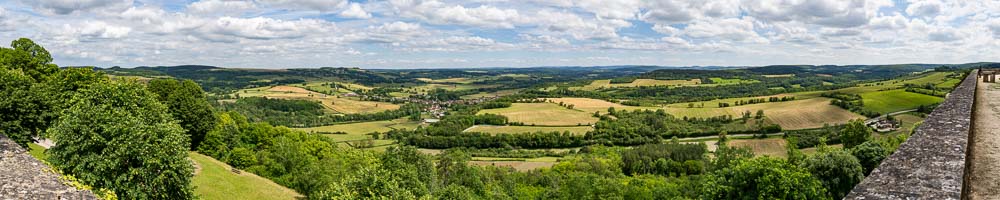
pixel 517 165
pixel 593 105
pixel 791 115
pixel 576 130
pixel 335 104
pixel 779 75
pixel 358 131
pixel 546 114
pixel 598 84
pixel 763 147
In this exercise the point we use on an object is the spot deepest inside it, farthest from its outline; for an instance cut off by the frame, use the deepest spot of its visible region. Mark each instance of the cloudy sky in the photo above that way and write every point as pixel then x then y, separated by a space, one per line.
pixel 505 33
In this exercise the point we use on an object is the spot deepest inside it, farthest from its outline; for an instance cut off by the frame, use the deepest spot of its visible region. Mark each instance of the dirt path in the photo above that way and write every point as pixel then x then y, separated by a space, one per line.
pixel 985 159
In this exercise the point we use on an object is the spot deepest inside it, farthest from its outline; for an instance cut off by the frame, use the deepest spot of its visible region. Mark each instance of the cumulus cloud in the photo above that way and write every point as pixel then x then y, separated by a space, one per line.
pixel 215 7
pixel 834 13
pixel 355 11
pixel 315 5
pixel 439 13
pixel 63 7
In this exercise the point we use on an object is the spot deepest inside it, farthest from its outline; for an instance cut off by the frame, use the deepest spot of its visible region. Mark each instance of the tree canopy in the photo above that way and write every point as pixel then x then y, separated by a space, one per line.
pixel 116 135
pixel 187 104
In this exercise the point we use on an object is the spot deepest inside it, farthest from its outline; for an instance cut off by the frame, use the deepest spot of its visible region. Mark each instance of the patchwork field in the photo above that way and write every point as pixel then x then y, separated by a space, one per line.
pixel 896 100
pixel 358 131
pixel 791 115
pixel 490 94
pixel 215 180
pixel 577 130
pixel 546 114
pixel 335 104
pixel 715 103
pixel 763 147
pixel 594 105
pixel 597 84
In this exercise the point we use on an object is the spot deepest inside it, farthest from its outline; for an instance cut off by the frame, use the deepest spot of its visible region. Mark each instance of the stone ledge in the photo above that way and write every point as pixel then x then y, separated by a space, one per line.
pixel 24 177
pixel 931 163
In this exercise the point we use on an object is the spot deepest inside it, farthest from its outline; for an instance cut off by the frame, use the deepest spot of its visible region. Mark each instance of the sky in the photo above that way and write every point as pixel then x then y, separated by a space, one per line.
pixel 504 33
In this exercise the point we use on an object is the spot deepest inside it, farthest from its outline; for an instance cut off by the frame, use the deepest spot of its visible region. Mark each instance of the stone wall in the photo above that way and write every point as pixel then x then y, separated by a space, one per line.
pixel 24 177
pixel 931 163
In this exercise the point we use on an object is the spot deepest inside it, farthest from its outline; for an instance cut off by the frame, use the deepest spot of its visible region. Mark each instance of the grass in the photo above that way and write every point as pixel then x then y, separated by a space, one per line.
pixel 597 84
pixel 896 100
pixel 547 114
pixel 215 180
pixel 358 131
pixel 791 115
pixel 576 130
pixel 491 94
pixel 37 151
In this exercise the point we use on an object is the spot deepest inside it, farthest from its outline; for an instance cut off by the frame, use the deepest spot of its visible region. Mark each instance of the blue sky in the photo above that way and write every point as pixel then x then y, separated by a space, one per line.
pixel 504 33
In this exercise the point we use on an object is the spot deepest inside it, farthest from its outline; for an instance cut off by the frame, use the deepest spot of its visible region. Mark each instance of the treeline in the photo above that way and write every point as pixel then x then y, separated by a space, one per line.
pixel 851 102
pixel 305 113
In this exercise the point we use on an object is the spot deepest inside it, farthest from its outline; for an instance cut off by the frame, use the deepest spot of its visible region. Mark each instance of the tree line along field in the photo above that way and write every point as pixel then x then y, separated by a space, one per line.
pixel 543 114
pixel 578 130
pixel 335 104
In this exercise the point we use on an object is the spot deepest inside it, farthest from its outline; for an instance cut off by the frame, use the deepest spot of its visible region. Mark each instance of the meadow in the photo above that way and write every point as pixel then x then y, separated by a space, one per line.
pixel 358 131
pixel 594 105
pixel 896 100
pixel 216 180
pixel 576 130
pixel 545 114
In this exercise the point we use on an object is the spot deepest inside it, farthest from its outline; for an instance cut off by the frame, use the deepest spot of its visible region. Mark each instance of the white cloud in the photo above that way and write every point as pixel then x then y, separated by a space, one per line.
pixel 316 5
pixel 833 13
pixel 98 30
pixel 63 7
pixel 216 7
pixel 924 8
pixel 263 28
pixel 726 29
pixel 436 12
pixel 355 11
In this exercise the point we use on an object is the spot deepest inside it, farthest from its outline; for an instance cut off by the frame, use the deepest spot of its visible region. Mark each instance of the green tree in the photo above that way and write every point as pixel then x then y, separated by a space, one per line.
pixel 726 156
pixel 870 154
pixel 118 136
pixel 838 170
pixel 21 117
pixel 762 178
pixel 187 103
pixel 854 133
pixel 31 58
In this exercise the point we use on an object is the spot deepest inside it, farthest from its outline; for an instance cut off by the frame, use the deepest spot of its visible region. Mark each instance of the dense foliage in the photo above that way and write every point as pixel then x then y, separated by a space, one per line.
pixel 187 104
pixel 118 136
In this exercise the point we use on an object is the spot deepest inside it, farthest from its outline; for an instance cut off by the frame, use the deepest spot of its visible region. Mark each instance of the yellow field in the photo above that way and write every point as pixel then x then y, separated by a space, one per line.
pixel 594 105
pixel 597 84
pixel 763 147
pixel 447 80
pixel 791 115
pixel 715 103
pixel 546 114
pixel 345 105
pixel 576 130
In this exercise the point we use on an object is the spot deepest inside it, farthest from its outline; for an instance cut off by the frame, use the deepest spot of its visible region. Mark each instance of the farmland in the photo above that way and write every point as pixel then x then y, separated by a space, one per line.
pixel 335 104
pixel 594 105
pixel 791 115
pixel 579 130
pixel 544 114
pixel 216 180
pixel 598 84
pixel 358 131
pixel 896 100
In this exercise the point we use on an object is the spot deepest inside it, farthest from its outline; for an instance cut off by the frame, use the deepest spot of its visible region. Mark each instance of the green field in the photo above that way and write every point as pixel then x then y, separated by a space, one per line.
pixel 215 180
pixel 547 114
pixel 358 131
pixel 598 84
pixel 896 100
pixel 729 81
pixel 577 130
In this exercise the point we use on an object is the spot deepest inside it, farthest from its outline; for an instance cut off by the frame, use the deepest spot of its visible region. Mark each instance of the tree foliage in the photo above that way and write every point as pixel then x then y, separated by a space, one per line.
pixel 117 135
pixel 870 154
pixel 188 105
pixel 838 170
pixel 762 178
pixel 854 133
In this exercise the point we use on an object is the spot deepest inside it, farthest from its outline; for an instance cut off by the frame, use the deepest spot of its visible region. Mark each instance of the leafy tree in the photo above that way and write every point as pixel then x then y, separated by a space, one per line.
pixel 21 117
pixel 118 136
pixel 187 104
pixel 854 133
pixel 838 170
pixel 29 57
pixel 870 154
pixel 762 178
pixel 726 156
